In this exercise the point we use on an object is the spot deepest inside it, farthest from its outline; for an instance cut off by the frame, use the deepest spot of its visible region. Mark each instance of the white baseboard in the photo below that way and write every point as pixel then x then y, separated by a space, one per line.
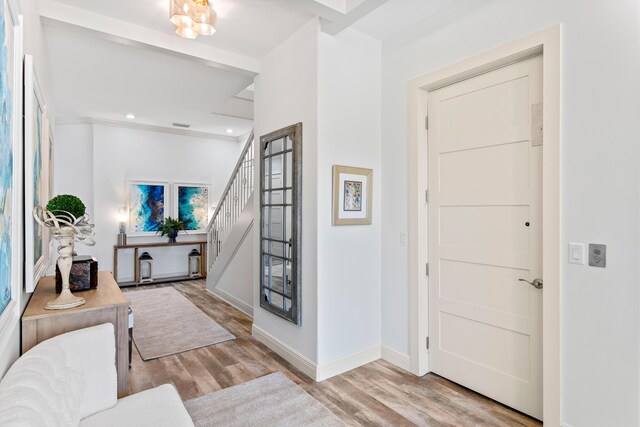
pixel 233 301
pixel 287 353
pixel 398 359
pixel 311 369
pixel 347 363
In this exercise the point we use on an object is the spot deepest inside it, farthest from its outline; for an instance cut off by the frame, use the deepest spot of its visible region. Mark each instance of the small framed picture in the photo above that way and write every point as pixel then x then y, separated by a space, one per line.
pixel 352 194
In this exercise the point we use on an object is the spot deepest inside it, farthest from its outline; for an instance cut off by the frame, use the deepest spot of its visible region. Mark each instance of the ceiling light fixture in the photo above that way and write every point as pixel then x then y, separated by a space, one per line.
pixel 130 116
pixel 192 18
pixel 229 130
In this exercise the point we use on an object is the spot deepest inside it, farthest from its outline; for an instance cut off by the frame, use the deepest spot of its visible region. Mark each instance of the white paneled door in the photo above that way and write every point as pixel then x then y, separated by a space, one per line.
pixel 485 234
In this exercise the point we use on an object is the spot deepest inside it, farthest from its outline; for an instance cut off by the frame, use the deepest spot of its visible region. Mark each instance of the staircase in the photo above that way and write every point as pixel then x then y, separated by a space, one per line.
pixel 232 220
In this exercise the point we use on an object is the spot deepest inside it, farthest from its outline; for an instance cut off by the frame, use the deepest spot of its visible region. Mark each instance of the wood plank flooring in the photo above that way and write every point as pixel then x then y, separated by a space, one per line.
pixel 377 394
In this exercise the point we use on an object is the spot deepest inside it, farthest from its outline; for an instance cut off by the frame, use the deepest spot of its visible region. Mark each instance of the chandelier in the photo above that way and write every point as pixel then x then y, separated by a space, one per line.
pixel 192 18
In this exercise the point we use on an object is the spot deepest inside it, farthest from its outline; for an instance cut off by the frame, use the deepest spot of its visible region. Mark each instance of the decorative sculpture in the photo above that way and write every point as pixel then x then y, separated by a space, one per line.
pixel 66 229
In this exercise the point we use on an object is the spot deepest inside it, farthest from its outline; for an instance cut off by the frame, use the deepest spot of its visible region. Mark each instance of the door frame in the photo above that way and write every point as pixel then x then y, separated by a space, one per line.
pixel 547 43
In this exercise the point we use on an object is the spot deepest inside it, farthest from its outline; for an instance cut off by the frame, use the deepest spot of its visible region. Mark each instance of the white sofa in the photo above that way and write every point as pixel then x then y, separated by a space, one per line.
pixel 70 380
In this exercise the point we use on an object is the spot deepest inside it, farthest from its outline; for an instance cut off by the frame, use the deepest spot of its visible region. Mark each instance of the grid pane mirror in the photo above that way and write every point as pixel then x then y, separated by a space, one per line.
pixel 280 219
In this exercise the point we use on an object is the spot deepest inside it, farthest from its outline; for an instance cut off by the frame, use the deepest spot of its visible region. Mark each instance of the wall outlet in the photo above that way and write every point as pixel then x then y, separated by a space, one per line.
pixel 404 239
pixel 597 255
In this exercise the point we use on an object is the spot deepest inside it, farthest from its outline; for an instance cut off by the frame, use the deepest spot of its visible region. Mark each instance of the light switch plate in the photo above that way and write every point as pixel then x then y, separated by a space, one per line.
pixel 576 253
pixel 597 255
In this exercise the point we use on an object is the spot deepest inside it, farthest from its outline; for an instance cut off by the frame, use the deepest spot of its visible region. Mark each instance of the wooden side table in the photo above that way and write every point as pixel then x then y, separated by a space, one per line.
pixel 106 304
pixel 136 249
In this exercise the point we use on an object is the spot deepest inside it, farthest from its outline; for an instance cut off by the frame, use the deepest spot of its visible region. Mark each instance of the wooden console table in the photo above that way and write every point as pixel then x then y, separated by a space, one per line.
pixel 137 246
pixel 105 304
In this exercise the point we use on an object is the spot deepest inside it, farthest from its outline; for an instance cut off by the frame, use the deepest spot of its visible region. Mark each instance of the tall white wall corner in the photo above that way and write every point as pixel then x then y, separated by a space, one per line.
pixel 396 358
pixel 347 363
pixel 287 353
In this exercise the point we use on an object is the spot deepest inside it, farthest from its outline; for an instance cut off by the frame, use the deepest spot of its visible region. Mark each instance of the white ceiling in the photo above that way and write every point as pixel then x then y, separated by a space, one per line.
pixel 106 80
pixel 105 76
pixel 395 15
pixel 247 27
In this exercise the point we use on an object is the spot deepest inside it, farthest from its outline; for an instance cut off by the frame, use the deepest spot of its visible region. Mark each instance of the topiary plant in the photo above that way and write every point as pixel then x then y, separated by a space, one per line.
pixel 59 205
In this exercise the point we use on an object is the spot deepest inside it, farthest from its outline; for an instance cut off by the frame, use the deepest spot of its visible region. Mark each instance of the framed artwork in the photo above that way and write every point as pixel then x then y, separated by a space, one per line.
pixel 147 206
pixel 35 179
pixel 352 194
pixel 191 205
pixel 10 161
pixel 50 145
pixel 47 156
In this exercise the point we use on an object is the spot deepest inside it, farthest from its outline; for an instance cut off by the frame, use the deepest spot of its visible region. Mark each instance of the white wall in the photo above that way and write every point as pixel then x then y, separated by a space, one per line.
pixel 348 134
pixel 95 162
pixel 600 103
pixel 73 163
pixel 339 106
pixel 236 283
pixel 286 93
pixel 33 44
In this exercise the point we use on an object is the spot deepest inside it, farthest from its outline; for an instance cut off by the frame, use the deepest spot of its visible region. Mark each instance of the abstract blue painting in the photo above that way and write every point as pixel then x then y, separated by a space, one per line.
pixel 193 206
pixel 146 207
pixel 6 165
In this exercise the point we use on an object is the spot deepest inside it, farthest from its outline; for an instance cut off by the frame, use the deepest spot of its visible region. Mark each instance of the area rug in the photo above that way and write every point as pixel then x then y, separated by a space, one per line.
pixel 165 323
pixel 272 400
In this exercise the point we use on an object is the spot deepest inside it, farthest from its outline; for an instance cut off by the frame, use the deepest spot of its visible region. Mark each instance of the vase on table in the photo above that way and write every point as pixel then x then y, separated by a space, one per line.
pixel 66 240
pixel 172 236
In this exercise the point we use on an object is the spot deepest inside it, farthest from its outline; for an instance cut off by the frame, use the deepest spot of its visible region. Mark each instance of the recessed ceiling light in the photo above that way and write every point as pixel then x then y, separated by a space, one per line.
pixel 229 130
pixel 130 116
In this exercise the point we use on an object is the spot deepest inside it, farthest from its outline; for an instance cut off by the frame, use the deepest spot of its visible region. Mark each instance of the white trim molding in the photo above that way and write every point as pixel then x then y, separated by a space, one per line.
pixel 313 370
pixel 547 42
pixel 147 127
pixel 347 363
pixel 287 353
pixel 232 301
pixel 396 358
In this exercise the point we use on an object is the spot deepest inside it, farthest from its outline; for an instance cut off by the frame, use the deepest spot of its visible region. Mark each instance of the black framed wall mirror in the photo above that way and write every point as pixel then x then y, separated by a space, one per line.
pixel 281 220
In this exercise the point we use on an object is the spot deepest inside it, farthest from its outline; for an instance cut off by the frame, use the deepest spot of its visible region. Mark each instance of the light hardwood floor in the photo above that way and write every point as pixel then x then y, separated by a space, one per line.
pixel 378 393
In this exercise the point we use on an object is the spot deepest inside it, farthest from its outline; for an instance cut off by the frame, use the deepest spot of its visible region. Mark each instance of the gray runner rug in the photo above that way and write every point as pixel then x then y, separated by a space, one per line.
pixel 166 323
pixel 272 400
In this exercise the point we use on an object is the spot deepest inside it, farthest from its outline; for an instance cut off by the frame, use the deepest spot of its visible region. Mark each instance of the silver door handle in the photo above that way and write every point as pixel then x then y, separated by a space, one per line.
pixel 537 283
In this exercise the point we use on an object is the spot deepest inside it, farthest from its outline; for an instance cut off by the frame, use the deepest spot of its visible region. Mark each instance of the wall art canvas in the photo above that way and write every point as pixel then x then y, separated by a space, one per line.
pixel 352 195
pixel 8 191
pixel 50 144
pixel 352 200
pixel 147 206
pixel 36 179
pixel 192 205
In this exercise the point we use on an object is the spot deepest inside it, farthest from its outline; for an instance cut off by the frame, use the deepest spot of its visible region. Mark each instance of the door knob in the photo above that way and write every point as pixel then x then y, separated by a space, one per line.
pixel 537 283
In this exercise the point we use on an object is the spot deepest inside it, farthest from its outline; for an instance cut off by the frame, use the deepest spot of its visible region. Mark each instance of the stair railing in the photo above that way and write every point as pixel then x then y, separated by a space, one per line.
pixel 234 198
